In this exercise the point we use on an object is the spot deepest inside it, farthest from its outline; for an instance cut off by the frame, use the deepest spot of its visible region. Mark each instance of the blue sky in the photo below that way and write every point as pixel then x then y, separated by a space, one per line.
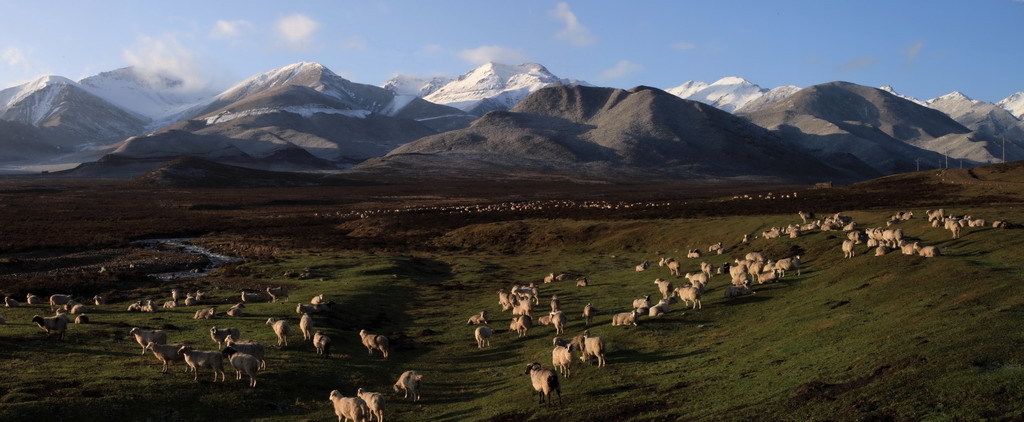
pixel 923 48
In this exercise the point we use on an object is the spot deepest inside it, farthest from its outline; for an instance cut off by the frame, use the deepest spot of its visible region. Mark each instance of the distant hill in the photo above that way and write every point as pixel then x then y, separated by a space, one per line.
pixel 196 172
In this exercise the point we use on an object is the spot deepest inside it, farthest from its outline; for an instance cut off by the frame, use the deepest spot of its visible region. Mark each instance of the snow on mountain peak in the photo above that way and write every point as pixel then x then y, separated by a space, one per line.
pixel 402 84
pixel 732 80
pixel 502 86
pixel 729 93
pixel 301 73
pixel 891 90
pixel 1014 104
pixel 955 95
pixel 160 98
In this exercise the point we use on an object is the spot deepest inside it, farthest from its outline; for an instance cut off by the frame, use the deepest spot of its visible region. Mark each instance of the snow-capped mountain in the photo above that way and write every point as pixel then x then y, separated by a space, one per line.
pixel 162 99
pixel 495 86
pixel 415 85
pixel 891 90
pixel 980 116
pixel 1014 104
pixel 772 96
pixel 729 93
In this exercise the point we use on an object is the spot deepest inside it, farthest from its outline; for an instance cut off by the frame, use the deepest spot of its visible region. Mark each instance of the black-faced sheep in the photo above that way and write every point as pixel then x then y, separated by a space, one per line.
pixel 58 324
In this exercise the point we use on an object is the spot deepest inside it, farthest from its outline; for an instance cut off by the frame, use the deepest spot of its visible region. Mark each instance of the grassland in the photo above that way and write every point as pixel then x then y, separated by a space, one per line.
pixel 870 338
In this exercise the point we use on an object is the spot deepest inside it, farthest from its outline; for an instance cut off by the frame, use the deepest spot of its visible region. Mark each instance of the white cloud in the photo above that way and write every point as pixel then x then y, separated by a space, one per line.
pixel 14 57
pixel 574 32
pixel 354 43
pixel 858 63
pixel 492 53
pixel 166 57
pixel 226 30
pixel 912 52
pixel 621 69
pixel 683 45
pixel 296 31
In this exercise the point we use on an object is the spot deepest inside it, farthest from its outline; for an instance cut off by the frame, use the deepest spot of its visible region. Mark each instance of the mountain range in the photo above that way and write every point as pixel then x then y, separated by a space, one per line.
pixel 304 116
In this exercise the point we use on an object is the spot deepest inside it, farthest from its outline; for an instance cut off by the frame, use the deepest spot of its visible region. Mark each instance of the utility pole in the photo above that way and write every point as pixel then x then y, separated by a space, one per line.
pixel 1004 149
pixel 947 158
pixel 918 161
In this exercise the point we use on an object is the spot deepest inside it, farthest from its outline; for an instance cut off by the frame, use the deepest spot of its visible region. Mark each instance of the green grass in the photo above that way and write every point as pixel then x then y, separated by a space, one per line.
pixel 893 337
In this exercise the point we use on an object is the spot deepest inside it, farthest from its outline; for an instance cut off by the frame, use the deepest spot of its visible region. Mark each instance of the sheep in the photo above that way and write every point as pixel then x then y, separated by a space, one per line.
pixel 625 318
pixel 881 250
pixel 787 264
pixel 325 307
pixel 545 381
pixel 767 277
pixel 219 335
pixel 643 266
pixel 197 359
pixel 353 408
pixel 318 299
pixel 58 324
pixel 716 248
pixel 908 249
pixel 955 229
pixel 58 300
pixel 306 326
pixel 698 280
pixel 737 291
pixel 583 282
pixel 664 287
pixel 32 299
pixel 562 276
pixel 673 268
pixel 663 261
pixel 593 347
pixel 149 306
pixel 11 302
pixel 82 319
pixel 166 353
pixel 480 318
pixel 693 253
pixel 555 303
pixel 521 325
pixel 281 329
pixel 558 319
pixel 170 304
pixel 506 300
pixel 926 251
pixel 523 308
pixel 176 295
pixel 409 383
pixel 322 343
pixel 238 310
pixel 544 320
pixel 144 337
pixel 305 309
pixel 251 347
pixel 642 303
pixel 276 293
pixel 690 294
pixel 561 359
pixel 199 295
pixel 135 307
pixel 243 362
pixel 375 342
pixel 207 313
pixel 190 300
pixel 483 335
pixel 746 238
pixel 549 278
pixel 754 256
pixel 588 314
pixel 249 297
pixel 849 251
pixel 660 309
pixel 707 268
pixel 374 401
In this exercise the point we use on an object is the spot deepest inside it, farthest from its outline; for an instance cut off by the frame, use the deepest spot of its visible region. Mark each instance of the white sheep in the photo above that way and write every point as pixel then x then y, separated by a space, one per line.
pixel 374 401
pixel 588 313
pixel 276 293
pixel 82 319
pixel 306 326
pixel 375 342
pixel 544 320
pixel 170 304
pixel 849 251
pixel 625 318
pixel 190 300
pixel 664 286
pixel 480 318
pixel 144 337
pixel 737 291
pixel 206 313
pixel 673 267
pixel 787 264
pixel 926 251
pixel 593 347
pixel 409 383
pixel 698 280
pixel 11 302
pixel 135 307
pixel 243 362
pixel 318 299
pixel 238 310
pixel 642 303
pixel 78 309
pixel 561 359
pixel 281 329
pixel 306 309
pixel 708 269
pixel 525 307
pixel 545 381
pixel 176 295
pixel 549 278
pixel 251 347
pixel 583 282
pixel 483 335
pixel 688 295
pixel 59 300
pixel 556 304
pixel 558 319
pixel 166 353
pixel 693 253
pixel 660 309
pixel 197 359
pixel 643 266
pixel 521 325
pixel 249 297
pixel 322 343
pixel 767 277
pixel 58 324
pixel 219 335
pixel 881 250
pixel 353 408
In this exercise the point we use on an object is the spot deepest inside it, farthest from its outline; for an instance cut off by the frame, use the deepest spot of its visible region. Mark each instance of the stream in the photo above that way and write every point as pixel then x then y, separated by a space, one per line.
pixel 185 245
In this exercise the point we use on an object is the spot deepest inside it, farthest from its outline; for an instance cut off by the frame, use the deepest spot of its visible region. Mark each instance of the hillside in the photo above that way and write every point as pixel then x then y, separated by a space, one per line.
pixel 195 172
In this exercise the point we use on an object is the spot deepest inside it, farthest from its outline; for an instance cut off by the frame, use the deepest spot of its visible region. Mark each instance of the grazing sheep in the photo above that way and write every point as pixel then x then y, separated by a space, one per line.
pixel 144 337
pixel 561 359
pixel 349 408
pixel 698 280
pixel 243 362
pixel 625 318
pixel 673 267
pixel 588 314
pixel 642 303
pixel 664 286
pixel 207 313
pixel 555 303
pixel 737 291
pixel 322 343
pixel 58 324
pixel 374 401
pixel 11 302
pixel 197 359
pixel 219 335
pixel 166 353
pixel 276 293
pixel 545 381
pixel 250 347
pixel 593 347
pixel 521 325
pixel 754 256
pixel 660 309
pixel 409 383
pixel 82 319
pixel 32 299
pixel 690 294
pixel 544 320
pixel 787 264
pixel 558 319
pixel 480 318
pixel 306 309
pixel 250 297
pixel 306 326
pixel 375 342
pixel 59 300
pixel 483 335
pixel 238 310
pixel 849 251
pixel 281 328
pixel 583 282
